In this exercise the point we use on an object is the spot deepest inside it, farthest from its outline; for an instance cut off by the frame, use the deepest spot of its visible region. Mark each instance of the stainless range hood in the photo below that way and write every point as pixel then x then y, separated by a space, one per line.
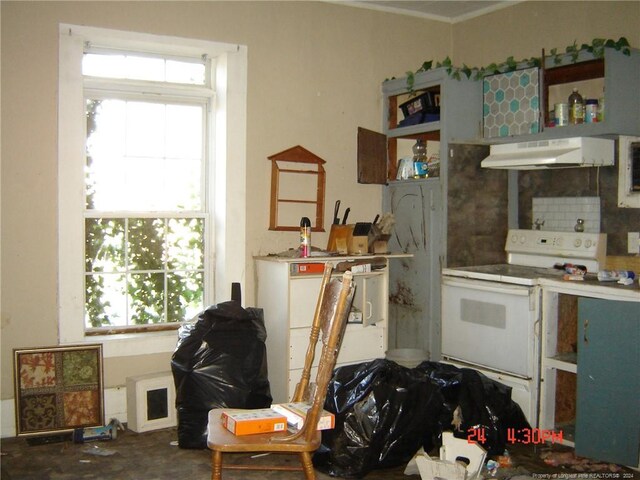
pixel 558 153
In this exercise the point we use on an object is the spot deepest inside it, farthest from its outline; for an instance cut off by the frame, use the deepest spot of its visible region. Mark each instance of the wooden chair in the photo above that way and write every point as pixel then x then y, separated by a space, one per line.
pixel 332 310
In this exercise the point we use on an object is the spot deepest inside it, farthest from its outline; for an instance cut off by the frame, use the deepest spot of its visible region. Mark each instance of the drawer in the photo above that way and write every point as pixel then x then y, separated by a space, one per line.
pixel 359 344
pixel 302 300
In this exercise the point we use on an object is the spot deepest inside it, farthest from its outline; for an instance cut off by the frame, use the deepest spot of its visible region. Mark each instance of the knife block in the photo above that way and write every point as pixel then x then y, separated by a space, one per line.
pixel 339 237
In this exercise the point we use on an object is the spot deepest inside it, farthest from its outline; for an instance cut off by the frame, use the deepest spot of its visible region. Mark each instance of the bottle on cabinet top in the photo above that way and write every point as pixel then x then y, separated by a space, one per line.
pixel 576 108
pixel 420 159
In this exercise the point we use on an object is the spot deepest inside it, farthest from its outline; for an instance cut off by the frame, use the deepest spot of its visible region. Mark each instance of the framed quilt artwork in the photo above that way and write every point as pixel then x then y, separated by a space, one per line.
pixel 58 389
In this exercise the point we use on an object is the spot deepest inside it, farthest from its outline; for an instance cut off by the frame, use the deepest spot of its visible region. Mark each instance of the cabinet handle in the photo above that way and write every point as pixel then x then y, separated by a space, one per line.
pixel 370 310
pixel 585 338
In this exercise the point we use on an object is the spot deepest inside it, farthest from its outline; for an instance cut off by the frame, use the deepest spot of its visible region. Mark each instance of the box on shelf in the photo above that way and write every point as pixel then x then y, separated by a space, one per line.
pixel 248 422
pixel 420 117
pixel 307 268
pixel 424 103
pixel 297 411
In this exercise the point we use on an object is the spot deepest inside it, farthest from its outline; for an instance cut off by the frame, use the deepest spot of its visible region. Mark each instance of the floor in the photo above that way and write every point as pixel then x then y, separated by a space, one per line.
pixel 156 456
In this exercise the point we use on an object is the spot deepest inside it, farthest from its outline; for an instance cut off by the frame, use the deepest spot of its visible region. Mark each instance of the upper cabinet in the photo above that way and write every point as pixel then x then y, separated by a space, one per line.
pixel 438 108
pixel 615 77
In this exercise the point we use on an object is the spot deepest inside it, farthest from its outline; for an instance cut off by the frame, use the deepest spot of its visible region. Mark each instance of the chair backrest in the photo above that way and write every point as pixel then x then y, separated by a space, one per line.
pixel 302 391
pixel 334 305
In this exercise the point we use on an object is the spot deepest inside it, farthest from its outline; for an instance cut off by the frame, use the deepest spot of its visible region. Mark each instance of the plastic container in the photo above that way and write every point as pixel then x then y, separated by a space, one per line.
pixel 615 275
pixel 561 114
pixel 407 357
pixel 576 108
pixel 591 111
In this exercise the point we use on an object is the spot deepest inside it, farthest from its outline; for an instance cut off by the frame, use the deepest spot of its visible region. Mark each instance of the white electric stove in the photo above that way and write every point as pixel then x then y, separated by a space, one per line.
pixel 491 313
pixel 532 254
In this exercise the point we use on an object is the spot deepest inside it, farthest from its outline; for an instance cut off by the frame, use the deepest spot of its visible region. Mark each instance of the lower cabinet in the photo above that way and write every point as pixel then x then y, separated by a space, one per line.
pixel 608 393
pixel 289 298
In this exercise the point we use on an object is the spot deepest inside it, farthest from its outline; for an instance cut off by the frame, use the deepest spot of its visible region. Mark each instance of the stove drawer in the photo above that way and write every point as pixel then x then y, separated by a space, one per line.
pixel 490 324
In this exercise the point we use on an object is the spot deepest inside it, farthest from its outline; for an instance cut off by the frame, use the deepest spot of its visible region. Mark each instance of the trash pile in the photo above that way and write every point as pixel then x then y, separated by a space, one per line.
pixel 385 413
pixel 220 362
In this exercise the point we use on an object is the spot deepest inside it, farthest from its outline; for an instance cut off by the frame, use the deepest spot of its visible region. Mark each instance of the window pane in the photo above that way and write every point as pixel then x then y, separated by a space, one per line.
pixel 104 245
pixel 107 66
pixel 144 68
pixel 136 67
pixel 185 244
pixel 184 132
pixel 106 300
pixel 146 298
pixel 144 156
pixel 185 295
pixel 185 72
pixel 145 240
pixel 145 129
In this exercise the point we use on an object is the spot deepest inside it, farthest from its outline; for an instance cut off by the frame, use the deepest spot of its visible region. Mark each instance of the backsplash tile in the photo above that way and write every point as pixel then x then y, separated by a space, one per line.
pixel 560 214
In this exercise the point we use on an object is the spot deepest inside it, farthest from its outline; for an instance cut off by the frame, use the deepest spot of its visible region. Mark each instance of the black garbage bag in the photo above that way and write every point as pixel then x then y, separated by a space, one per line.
pixel 220 362
pixel 485 405
pixel 386 412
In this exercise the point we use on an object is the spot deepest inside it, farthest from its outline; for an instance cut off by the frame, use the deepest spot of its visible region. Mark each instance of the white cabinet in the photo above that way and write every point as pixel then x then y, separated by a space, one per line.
pixel 289 300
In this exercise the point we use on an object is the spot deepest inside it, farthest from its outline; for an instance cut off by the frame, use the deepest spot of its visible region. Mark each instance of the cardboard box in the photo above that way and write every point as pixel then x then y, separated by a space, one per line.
pixel 248 422
pixel 307 268
pixel 297 411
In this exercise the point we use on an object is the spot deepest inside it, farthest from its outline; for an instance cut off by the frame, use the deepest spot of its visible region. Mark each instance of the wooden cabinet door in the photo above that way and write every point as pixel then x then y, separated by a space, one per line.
pixel 608 403
pixel 372 157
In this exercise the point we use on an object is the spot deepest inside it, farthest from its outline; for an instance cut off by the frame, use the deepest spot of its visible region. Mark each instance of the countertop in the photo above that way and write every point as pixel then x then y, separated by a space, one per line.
pixel 592 287
pixel 326 258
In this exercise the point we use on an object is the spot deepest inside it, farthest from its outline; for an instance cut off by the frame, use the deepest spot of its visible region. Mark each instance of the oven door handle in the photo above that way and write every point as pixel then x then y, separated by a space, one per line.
pixel 493 287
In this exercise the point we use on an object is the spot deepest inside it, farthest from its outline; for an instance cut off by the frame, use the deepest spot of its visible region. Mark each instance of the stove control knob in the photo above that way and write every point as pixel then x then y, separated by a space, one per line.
pixel 588 244
pixel 577 242
pixel 514 238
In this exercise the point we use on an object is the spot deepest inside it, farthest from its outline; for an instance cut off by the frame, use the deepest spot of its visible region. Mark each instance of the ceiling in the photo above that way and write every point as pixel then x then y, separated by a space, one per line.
pixel 450 11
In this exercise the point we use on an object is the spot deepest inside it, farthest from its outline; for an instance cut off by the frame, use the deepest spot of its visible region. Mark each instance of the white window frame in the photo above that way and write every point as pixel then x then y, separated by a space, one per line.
pixel 227 184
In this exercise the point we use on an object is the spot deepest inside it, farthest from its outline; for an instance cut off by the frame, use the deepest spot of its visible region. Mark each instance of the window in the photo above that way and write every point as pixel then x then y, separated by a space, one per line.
pixel 146 208
pixel 144 192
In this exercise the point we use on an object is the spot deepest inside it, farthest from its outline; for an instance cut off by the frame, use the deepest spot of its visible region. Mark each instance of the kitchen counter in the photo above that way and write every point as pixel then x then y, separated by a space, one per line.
pixel 592 287
pixel 327 257
pixel 590 347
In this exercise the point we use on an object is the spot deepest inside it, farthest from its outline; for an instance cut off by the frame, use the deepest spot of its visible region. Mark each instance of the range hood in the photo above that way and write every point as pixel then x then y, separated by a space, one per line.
pixel 558 153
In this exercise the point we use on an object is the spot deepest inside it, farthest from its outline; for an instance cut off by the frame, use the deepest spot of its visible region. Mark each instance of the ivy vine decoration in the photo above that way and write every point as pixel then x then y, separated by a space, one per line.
pixel 596 48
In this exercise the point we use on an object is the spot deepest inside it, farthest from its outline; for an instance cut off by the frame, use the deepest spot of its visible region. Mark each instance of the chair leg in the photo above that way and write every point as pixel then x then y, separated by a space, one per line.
pixel 216 465
pixel 307 466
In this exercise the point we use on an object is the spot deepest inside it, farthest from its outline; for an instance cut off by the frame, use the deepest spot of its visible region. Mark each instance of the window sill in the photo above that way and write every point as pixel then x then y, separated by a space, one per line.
pixel 133 344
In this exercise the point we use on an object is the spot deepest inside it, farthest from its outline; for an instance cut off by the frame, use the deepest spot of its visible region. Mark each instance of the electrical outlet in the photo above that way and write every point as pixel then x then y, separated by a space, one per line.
pixel 633 241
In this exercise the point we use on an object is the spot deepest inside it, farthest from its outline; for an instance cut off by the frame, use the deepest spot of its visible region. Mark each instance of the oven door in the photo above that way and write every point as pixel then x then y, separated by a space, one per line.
pixel 490 324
